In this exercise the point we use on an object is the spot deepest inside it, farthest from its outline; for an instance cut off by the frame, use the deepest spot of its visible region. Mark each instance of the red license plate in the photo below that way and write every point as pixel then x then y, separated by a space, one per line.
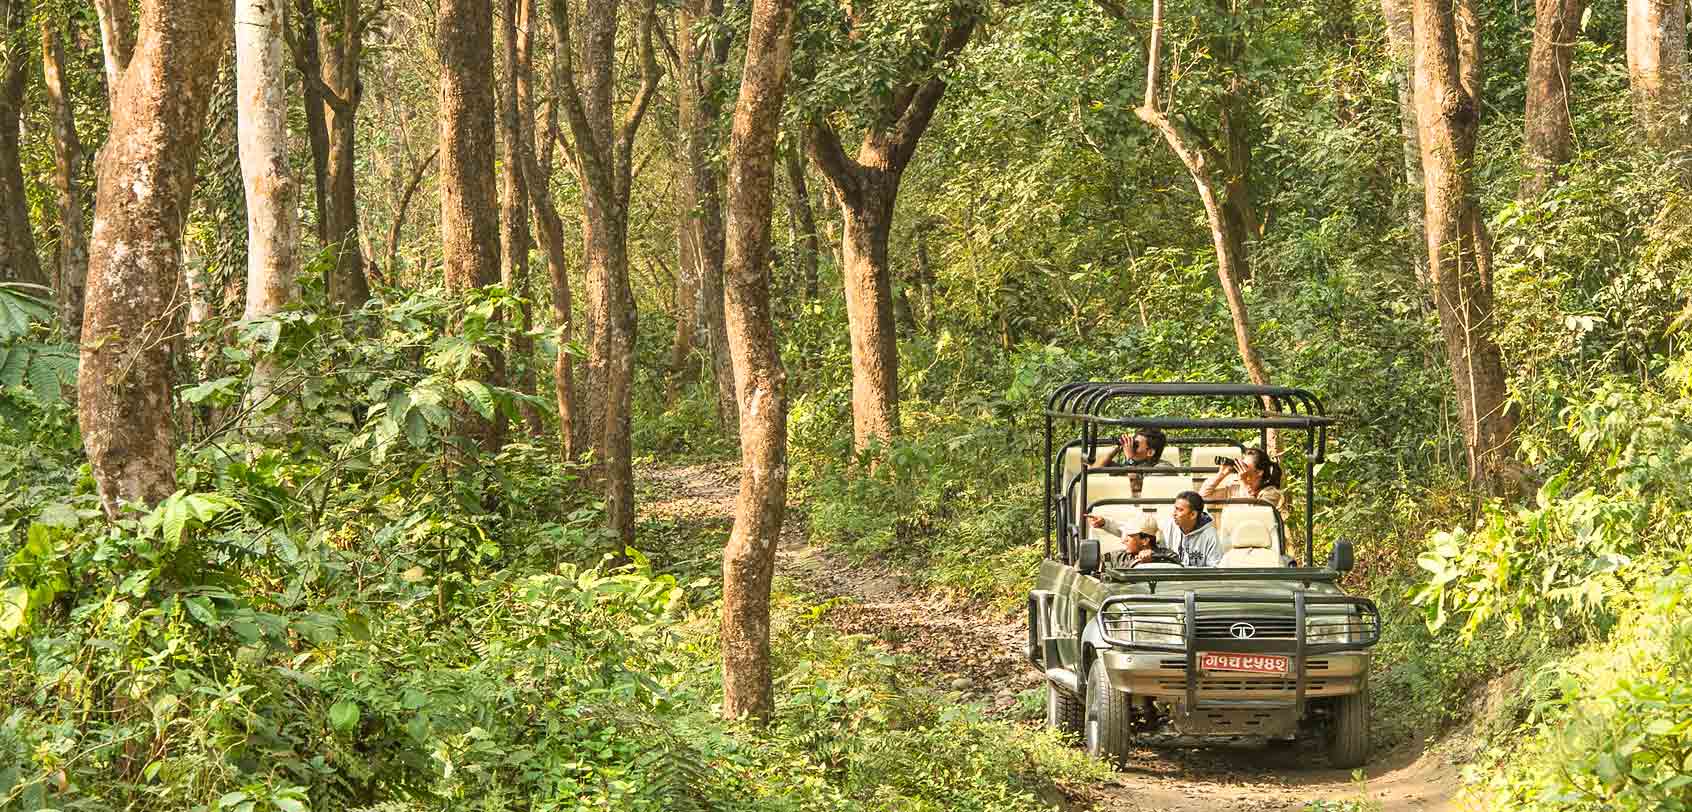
pixel 1254 663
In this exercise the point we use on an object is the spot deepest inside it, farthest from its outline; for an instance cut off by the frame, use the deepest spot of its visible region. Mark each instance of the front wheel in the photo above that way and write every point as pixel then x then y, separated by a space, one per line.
pixel 1063 710
pixel 1348 732
pixel 1108 718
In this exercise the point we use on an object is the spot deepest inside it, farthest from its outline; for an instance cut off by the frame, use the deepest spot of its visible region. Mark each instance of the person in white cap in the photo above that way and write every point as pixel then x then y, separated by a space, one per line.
pixel 1139 544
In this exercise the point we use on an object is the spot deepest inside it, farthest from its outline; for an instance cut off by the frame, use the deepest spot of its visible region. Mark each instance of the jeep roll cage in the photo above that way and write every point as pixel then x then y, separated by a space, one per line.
pixel 1094 405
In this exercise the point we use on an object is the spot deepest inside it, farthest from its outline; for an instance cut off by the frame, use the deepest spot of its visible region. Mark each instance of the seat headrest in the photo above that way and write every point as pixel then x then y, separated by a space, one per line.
pixel 1252 535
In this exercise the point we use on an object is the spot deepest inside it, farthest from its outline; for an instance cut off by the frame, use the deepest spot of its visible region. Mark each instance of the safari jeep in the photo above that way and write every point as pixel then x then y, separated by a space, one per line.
pixel 1263 647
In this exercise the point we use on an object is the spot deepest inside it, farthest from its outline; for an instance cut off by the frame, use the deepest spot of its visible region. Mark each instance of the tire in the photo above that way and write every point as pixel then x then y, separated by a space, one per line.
pixel 1063 710
pixel 1348 732
pixel 1107 720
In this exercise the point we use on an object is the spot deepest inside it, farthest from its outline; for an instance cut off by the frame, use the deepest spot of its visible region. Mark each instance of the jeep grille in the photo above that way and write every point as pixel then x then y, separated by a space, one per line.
pixel 1221 627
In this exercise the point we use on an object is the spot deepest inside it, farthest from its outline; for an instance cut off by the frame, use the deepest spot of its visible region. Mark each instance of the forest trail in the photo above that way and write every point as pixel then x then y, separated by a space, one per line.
pixel 976 653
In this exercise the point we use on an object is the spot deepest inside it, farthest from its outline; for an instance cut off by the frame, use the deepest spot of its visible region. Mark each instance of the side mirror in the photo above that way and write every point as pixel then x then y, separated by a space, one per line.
pixel 1343 557
pixel 1087 556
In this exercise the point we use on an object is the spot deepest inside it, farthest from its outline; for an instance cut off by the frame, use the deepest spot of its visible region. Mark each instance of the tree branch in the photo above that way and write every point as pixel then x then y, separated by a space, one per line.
pixel 650 73
pixel 830 157
pixel 586 151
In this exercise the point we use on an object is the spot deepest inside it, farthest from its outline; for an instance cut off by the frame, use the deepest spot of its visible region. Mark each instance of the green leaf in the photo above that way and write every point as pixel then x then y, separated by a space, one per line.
pixel 58 515
pixel 477 395
pixel 230 799
pixel 14 609
pixel 343 716
pixel 289 804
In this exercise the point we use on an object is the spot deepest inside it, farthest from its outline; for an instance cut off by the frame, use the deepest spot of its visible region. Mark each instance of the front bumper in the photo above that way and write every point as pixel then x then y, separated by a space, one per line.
pixel 1165 677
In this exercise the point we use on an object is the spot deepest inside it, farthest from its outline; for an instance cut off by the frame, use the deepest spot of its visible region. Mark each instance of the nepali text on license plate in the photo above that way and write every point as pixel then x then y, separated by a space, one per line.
pixel 1256 663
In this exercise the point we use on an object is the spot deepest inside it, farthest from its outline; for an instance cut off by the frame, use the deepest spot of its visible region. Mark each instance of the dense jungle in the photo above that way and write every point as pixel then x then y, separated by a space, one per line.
pixel 637 404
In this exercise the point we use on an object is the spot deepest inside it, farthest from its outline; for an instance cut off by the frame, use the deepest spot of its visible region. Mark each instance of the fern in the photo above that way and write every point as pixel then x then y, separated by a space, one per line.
pixel 19 311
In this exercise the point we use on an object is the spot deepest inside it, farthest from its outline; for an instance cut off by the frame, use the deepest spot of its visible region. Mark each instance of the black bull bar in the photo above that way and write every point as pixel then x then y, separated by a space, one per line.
pixel 1362 627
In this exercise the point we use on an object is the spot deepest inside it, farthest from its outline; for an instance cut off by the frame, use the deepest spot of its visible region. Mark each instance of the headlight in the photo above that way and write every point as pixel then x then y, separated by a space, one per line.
pixel 1161 628
pixel 1332 629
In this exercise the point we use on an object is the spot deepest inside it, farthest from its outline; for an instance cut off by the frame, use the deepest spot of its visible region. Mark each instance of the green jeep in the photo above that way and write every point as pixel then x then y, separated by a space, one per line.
pixel 1256 648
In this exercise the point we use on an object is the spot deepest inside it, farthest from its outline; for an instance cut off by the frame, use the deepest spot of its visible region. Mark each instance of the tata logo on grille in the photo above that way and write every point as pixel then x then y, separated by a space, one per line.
pixel 1242 631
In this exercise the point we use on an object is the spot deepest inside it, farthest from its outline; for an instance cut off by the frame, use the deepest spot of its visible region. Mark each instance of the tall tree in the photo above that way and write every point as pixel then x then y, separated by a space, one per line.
pixel 145 178
pixel 514 123
pixel 71 276
pixel 1448 77
pixel 1548 134
pixel 328 51
pixel 469 213
pixel 262 140
pixel 700 65
pixel 603 147
pixel 760 380
pixel 1204 164
pixel 1656 65
pixel 18 260
pixel 894 112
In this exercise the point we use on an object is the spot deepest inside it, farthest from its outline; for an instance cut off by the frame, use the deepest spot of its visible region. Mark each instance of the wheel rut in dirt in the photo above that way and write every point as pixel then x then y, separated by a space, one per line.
pixel 977 653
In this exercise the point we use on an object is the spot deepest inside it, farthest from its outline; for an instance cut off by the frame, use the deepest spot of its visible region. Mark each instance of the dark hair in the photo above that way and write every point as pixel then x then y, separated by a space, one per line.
pixel 1192 499
pixel 1271 469
pixel 1155 438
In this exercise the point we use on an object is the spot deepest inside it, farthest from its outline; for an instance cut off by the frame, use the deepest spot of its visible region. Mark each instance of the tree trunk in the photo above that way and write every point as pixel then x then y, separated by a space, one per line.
pixel 687 303
pixel 603 157
pixel 761 382
pixel 469 217
pixel 866 188
pixel 262 132
pixel 71 278
pixel 537 177
pixel 1548 135
pixel 514 198
pixel 1459 253
pixel 804 221
pixel 18 260
pixel 145 179
pixel 869 312
pixel 1228 244
pixel 308 60
pixel 1656 63
pixel 697 112
pixel 1401 45
pixel 346 284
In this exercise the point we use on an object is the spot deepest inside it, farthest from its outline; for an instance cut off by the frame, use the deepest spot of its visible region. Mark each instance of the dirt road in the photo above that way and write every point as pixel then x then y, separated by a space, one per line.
pixel 978 653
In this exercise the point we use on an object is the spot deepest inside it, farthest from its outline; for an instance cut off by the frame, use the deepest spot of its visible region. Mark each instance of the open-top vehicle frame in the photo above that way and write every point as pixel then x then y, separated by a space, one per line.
pixel 1196 653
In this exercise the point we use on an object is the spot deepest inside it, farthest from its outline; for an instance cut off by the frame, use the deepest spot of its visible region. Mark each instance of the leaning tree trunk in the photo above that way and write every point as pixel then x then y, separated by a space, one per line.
pixel 1228 244
pixel 262 132
pixel 72 274
pixel 145 179
pixel 1548 136
pixel 514 197
pixel 537 177
pixel 1459 256
pixel 760 380
pixel 18 260
pixel 1656 62
pixel 469 213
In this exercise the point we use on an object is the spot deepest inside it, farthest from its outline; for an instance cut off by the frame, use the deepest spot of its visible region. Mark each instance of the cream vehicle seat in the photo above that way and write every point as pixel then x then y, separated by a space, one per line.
pixel 1251 544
